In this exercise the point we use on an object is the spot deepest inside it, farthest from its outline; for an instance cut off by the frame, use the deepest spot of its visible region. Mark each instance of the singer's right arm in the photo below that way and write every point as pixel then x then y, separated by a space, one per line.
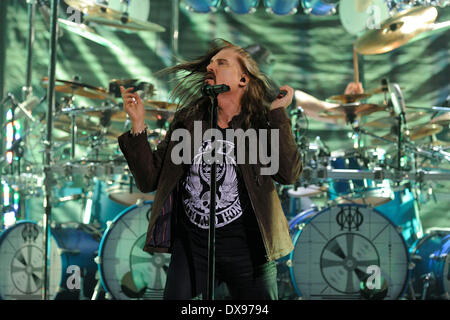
pixel 144 164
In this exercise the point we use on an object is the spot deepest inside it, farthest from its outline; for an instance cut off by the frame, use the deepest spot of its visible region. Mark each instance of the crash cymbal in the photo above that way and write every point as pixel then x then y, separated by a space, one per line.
pixel 78 88
pixel 349 98
pixel 443 119
pixel 86 32
pixel 103 15
pixel 388 122
pixel 396 31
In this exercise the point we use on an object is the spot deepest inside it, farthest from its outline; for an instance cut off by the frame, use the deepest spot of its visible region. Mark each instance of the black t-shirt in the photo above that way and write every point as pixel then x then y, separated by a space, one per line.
pixel 237 230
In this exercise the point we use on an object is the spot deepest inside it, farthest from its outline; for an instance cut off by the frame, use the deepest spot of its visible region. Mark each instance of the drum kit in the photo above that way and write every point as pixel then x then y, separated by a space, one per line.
pixel 354 213
pixel 370 219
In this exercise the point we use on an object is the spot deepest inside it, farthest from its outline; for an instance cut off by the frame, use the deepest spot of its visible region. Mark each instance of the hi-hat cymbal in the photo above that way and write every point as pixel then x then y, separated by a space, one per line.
pixel 103 15
pixel 443 119
pixel 396 31
pixel 78 88
pixel 349 98
pixel 387 122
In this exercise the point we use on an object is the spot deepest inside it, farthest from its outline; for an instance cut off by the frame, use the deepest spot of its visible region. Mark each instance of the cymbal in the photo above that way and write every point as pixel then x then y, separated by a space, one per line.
pixel 387 122
pixel 86 32
pixel 151 114
pixel 349 98
pixel 396 31
pixel 78 88
pixel 103 15
pixel 85 127
pixel 63 122
pixel 419 133
pixel 443 119
pixel 356 108
pixel 309 191
pixel 426 131
pixel 167 106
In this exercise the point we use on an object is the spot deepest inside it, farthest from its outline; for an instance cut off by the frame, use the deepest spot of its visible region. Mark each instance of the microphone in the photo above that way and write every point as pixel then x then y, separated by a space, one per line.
pixel 208 90
pixel 397 98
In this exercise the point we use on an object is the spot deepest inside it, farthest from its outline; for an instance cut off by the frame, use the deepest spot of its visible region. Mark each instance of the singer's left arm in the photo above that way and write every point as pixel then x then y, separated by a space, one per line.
pixel 289 161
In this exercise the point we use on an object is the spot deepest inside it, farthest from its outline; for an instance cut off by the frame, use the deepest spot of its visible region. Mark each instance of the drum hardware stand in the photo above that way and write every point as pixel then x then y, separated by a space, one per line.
pixel 98 287
pixel 427 280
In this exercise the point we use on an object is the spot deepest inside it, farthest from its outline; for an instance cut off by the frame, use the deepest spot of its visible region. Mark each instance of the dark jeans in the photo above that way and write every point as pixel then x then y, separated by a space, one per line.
pixel 246 280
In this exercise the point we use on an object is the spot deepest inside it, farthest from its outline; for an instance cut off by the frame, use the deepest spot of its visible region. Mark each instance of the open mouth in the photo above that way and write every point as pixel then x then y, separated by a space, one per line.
pixel 210 76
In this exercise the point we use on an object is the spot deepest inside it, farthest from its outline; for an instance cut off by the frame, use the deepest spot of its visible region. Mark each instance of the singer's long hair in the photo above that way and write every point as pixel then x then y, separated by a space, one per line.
pixel 190 77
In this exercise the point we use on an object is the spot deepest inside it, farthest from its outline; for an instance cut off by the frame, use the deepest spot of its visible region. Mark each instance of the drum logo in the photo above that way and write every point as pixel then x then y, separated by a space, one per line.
pixel 30 232
pixel 349 218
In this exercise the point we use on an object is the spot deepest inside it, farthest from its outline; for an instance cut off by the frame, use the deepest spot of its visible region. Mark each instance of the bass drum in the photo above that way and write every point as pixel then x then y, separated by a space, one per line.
pixel 72 268
pixel 126 271
pixel 333 249
pixel 431 275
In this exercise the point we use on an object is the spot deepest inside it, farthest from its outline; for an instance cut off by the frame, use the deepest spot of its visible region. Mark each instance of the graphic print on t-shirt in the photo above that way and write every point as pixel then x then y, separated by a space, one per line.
pixel 196 197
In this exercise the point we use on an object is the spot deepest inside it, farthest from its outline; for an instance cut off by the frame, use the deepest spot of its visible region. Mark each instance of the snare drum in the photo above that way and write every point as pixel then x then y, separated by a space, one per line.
pixel 127 272
pixel 431 275
pixel 334 247
pixel 72 269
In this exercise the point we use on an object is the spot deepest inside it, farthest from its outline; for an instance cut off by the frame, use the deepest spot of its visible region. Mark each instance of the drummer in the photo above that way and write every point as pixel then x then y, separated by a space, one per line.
pixel 312 106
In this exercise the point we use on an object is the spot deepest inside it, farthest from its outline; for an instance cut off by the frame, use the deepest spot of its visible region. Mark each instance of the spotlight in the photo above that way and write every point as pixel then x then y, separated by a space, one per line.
pixel 281 7
pixel 202 6
pixel 241 6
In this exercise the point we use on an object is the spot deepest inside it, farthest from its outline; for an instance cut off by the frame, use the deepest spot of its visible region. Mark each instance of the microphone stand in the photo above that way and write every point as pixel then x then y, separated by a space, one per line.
pixel 212 208
pixel 48 146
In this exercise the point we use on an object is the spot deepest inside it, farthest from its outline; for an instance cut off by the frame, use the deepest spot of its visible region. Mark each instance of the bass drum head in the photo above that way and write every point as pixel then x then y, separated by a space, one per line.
pixel 22 263
pixel 333 252
pixel 127 272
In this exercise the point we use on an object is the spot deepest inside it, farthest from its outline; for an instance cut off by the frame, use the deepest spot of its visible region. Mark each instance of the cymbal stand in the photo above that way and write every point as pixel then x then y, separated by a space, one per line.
pixel 73 133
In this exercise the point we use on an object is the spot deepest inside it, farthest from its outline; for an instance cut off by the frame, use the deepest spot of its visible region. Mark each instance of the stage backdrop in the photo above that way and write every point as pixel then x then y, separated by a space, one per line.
pixel 311 53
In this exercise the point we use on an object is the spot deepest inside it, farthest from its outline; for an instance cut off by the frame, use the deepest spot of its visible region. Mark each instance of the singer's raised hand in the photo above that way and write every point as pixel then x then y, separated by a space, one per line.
pixel 134 107
pixel 283 101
